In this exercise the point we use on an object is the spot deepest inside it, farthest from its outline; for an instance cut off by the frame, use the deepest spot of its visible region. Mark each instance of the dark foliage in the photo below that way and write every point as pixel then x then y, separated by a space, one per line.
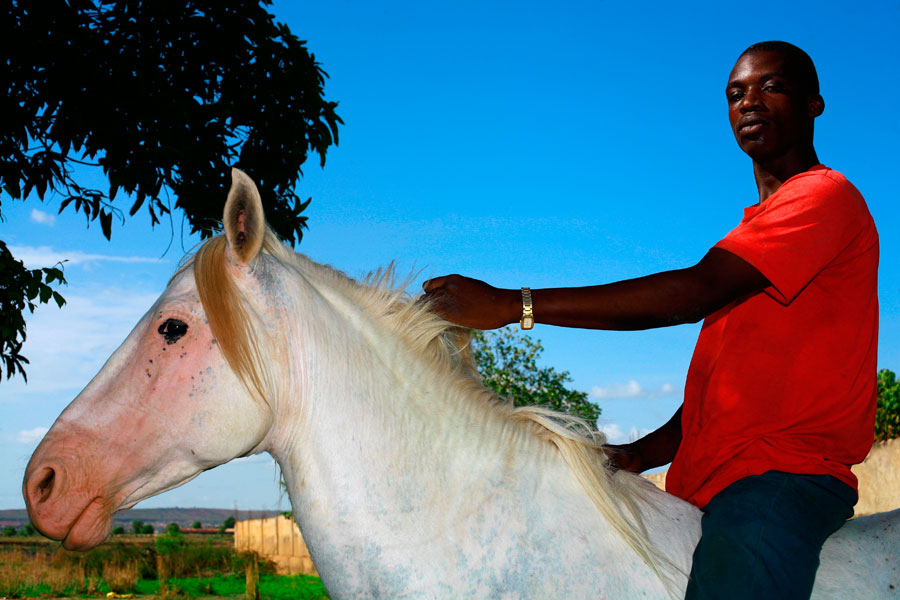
pixel 162 97
pixel 21 288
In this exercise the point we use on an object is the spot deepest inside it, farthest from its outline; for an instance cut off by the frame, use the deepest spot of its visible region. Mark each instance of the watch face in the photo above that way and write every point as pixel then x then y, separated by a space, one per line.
pixel 527 322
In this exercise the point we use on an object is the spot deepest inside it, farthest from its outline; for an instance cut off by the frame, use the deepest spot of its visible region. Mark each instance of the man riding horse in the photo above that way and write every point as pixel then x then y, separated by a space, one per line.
pixel 780 395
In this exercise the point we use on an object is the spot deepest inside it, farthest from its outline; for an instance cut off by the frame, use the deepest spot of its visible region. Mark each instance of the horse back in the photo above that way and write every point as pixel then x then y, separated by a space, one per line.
pixel 861 559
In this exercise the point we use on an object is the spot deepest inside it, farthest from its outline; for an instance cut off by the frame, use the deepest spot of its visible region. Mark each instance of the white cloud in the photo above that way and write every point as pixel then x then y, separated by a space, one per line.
pixel 632 389
pixel 42 256
pixel 68 346
pixel 32 436
pixel 39 216
pixel 616 435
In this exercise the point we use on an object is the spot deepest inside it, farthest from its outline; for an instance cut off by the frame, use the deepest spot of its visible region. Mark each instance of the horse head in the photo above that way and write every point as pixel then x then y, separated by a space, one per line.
pixel 172 401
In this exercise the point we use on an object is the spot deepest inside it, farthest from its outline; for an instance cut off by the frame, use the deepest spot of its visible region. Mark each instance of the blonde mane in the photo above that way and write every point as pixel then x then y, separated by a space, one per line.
pixel 444 347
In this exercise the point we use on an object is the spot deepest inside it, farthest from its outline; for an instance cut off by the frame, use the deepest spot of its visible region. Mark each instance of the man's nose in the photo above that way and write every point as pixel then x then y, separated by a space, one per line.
pixel 752 101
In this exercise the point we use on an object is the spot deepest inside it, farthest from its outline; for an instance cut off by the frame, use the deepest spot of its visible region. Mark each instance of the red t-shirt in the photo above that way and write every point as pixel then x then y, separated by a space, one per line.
pixel 784 379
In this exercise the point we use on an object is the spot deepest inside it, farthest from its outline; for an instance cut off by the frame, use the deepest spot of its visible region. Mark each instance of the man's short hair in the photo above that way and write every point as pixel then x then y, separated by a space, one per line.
pixel 797 63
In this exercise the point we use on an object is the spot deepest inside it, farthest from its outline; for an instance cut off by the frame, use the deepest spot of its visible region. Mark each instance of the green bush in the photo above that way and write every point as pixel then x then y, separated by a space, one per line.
pixel 887 413
pixel 171 542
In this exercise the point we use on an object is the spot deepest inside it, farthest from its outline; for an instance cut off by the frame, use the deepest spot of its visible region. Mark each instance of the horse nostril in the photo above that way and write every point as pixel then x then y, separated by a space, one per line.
pixel 45 486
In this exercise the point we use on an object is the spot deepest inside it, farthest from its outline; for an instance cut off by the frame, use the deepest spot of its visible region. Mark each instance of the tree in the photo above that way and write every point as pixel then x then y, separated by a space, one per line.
pixel 9 531
pixel 197 525
pixel 228 523
pixel 507 362
pixel 173 528
pixel 21 288
pixel 118 530
pixel 137 526
pixel 28 529
pixel 887 413
pixel 147 528
pixel 160 98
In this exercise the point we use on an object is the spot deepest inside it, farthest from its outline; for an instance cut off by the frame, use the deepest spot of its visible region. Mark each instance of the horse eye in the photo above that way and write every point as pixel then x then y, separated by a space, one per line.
pixel 172 330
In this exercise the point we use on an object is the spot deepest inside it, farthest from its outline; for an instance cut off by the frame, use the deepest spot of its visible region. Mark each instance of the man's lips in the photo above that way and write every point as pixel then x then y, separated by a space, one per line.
pixel 751 126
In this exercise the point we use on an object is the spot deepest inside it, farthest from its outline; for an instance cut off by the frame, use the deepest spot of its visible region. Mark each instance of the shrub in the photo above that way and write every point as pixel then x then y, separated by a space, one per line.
pixel 887 413
pixel 121 578
pixel 170 542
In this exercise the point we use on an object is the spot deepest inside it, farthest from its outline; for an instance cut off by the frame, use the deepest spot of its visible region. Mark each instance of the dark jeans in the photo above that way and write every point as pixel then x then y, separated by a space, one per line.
pixel 761 536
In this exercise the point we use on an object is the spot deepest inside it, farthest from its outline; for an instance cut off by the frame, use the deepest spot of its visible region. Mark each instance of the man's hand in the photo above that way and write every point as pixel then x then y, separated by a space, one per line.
pixel 472 303
pixel 623 457
pixel 655 449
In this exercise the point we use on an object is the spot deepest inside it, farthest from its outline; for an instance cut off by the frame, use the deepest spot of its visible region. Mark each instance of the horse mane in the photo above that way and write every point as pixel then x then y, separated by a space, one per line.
pixel 444 347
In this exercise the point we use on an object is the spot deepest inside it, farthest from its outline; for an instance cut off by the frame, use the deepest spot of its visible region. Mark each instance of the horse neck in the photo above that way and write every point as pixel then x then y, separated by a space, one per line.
pixel 354 379
pixel 386 454
pixel 372 431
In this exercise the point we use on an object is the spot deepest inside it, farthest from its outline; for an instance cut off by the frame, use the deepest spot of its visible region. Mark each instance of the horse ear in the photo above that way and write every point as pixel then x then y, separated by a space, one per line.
pixel 245 224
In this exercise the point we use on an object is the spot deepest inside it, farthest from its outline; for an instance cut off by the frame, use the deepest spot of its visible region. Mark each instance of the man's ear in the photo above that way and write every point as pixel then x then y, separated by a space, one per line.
pixel 816 105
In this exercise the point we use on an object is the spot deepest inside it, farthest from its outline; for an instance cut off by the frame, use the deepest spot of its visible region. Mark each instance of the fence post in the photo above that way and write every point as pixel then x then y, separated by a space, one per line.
pixel 252 591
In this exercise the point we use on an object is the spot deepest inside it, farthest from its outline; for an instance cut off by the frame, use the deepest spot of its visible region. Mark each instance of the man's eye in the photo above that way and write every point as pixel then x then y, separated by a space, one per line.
pixel 735 96
pixel 172 330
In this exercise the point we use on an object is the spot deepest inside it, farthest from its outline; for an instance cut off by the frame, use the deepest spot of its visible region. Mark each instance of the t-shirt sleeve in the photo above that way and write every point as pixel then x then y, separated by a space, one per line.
pixel 799 231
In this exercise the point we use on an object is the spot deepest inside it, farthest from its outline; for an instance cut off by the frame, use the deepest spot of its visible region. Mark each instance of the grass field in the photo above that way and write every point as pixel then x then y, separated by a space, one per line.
pixel 167 567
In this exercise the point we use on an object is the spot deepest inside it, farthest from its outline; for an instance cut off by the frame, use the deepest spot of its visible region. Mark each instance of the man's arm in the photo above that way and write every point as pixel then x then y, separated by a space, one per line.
pixel 653 450
pixel 668 298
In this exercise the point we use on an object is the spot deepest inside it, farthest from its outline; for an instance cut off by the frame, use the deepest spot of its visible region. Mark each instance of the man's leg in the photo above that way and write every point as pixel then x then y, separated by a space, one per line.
pixel 761 536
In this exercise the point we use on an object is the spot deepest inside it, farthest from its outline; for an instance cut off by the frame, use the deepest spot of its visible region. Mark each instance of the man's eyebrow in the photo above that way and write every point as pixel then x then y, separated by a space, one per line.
pixel 764 77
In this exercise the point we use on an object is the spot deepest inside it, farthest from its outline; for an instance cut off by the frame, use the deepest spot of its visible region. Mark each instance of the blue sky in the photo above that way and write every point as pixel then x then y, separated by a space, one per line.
pixel 520 143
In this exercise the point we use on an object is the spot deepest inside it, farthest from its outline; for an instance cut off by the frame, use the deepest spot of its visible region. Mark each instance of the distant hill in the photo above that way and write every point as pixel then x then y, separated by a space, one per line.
pixel 158 517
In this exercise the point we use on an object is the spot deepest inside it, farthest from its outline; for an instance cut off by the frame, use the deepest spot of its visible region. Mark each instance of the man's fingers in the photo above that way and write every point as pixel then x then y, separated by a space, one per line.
pixel 434 283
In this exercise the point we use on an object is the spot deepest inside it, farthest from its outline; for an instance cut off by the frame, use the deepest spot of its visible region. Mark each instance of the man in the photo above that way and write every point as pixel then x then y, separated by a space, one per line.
pixel 780 396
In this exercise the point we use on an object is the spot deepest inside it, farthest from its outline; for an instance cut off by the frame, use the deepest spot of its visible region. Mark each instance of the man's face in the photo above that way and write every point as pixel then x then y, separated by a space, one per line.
pixel 770 113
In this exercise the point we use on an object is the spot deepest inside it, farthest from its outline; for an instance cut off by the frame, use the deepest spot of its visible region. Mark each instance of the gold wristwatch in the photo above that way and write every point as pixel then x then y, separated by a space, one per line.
pixel 527 320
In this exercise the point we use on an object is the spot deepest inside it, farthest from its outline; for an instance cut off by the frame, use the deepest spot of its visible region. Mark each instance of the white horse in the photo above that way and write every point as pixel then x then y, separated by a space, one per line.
pixel 407 478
